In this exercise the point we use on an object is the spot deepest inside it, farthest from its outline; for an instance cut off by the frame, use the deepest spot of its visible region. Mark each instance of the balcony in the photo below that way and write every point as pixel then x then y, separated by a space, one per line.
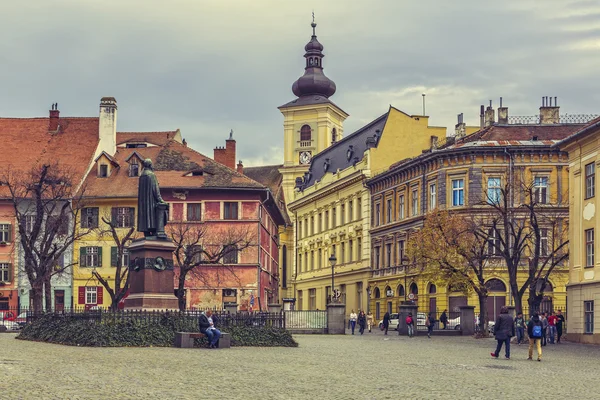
pixel 305 144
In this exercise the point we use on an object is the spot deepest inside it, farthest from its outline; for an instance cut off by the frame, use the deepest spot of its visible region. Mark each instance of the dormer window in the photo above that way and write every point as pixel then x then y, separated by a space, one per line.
pixel 197 173
pixel 103 171
pixel 134 167
pixel 349 152
pixel 136 145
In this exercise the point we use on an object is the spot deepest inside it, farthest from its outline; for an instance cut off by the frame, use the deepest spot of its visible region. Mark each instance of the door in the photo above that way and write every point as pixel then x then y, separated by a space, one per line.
pixel 59 300
pixel 432 305
pixel 377 311
pixel 494 304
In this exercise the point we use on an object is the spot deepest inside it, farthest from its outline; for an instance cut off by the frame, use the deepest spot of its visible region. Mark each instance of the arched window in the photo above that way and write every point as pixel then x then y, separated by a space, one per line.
pixel 310 61
pixel 376 293
pixel 432 289
pixel 333 135
pixel 495 285
pixel 413 288
pixel 305 133
pixel 400 291
pixel 388 291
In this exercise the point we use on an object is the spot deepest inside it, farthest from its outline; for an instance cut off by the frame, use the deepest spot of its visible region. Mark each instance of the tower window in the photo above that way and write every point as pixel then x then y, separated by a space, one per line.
pixel 311 61
pixel 333 136
pixel 305 133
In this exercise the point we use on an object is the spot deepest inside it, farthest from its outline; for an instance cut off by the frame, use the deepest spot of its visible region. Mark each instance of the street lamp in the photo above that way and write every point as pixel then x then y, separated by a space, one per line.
pixel 369 290
pixel 405 263
pixel 332 261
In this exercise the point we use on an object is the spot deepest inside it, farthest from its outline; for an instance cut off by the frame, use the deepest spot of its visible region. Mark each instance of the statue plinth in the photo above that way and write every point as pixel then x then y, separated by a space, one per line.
pixel 151 284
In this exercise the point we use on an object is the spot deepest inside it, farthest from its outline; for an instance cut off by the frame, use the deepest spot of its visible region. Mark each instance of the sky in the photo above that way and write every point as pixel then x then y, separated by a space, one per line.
pixel 209 66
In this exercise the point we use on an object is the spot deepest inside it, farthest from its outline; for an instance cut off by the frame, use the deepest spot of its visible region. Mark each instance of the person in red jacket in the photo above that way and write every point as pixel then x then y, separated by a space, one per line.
pixel 552 326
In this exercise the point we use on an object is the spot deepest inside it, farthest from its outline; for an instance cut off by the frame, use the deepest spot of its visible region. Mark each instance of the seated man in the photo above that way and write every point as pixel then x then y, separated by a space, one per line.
pixel 207 327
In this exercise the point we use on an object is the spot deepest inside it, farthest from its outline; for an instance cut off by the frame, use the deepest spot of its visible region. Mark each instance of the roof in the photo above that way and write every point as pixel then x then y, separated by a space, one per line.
pixel 158 138
pixel 309 101
pixel 589 127
pixel 27 142
pixel 337 154
pixel 173 164
pixel 269 176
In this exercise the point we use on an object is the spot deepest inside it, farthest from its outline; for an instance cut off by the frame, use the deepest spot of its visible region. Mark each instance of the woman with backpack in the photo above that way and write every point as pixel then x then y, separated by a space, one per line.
pixel 535 330
pixel 410 325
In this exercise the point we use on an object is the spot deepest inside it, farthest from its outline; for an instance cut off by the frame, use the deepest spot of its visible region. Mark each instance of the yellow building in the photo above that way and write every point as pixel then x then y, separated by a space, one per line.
pixel 583 289
pixel 459 175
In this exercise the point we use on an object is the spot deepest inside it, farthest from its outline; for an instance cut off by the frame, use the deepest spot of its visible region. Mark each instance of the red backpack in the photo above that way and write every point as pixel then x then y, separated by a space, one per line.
pixel 409 320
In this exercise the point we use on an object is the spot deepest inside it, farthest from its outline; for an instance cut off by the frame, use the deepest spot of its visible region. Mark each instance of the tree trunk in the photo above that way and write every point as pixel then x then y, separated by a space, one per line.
pixel 534 301
pixel 483 314
pixel 518 298
pixel 48 294
pixel 37 295
pixel 181 291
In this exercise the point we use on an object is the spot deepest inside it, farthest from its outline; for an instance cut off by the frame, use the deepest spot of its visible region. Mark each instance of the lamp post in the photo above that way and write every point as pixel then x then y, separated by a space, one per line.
pixel 405 263
pixel 369 299
pixel 332 261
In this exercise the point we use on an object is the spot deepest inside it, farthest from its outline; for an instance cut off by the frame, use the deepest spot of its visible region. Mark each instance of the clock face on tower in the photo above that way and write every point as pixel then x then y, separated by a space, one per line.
pixel 305 157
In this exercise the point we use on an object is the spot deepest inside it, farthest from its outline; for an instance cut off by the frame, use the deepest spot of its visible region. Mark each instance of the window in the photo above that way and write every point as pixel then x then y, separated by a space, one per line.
pixel 334 217
pixel 306 227
pixel 195 253
pixel 194 211
pixel 230 210
pixel 29 222
pixel 299 306
pixel 359 248
pixel 326 220
pixel 544 242
pixel 377 214
pixel 458 192
pixel 432 196
pixel 401 207
pixel 540 189
pixel 312 225
pixel 320 222
pixel 230 254
pixel 388 254
pixel 415 202
pixel 359 208
pixel 89 217
pixel 351 210
pixel 305 133
pixel 312 260
pixel 589 248
pixel 350 250
pixel 343 214
pixel 90 257
pixel 320 258
pixel 312 299
pixel 134 168
pixel 401 251
pixel 300 229
pixel 91 295
pixel 5 272
pixel 114 257
pixel 377 257
pixel 493 242
pixel 343 253
pixel 333 252
pixel 333 136
pixel 588 322
pixel 300 262
pixel 122 217
pixel 103 171
pixel 494 190
pixel 60 226
pixel 389 211
pixel 5 231
pixel 590 180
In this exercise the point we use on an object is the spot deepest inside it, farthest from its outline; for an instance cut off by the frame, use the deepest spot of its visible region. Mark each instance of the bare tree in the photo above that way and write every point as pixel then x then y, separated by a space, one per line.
pixel 207 252
pixel 46 201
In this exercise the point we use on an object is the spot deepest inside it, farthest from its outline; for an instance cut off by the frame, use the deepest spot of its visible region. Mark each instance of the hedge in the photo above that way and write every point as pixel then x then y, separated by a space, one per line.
pixel 78 331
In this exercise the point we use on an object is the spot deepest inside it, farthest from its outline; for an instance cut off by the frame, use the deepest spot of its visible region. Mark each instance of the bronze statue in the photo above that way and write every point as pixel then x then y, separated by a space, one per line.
pixel 153 211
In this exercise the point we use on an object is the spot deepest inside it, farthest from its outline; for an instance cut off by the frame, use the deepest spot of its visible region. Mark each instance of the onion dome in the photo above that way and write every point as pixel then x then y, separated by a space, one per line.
pixel 314 81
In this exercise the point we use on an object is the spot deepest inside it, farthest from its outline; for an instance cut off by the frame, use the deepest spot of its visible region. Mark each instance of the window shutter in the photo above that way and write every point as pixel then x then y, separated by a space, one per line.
pixel 114 256
pixel 99 257
pixel 9 233
pixel 99 295
pixel 81 295
pixel 10 272
pixel 131 216
pixel 82 254
pixel 95 211
pixel 113 216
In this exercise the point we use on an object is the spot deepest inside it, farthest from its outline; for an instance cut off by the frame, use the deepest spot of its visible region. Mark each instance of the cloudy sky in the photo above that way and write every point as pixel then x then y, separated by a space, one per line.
pixel 208 66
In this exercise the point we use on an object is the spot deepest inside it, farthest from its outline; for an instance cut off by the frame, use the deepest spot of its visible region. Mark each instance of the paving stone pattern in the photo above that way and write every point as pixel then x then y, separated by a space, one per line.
pixel 372 366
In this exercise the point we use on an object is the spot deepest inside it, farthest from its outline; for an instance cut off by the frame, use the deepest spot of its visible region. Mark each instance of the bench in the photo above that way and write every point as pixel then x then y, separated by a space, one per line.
pixel 186 339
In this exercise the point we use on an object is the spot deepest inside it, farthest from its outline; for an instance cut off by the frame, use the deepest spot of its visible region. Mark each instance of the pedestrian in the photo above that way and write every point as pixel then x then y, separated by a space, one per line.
pixel 410 325
pixel 386 322
pixel 552 327
pixel 444 319
pixel 353 317
pixel 520 328
pixel 369 320
pixel 535 331
pixel 362 322
pixel 544 328
pixel 504 329
pixel 207 326
pixel 430 323
pixel 560 320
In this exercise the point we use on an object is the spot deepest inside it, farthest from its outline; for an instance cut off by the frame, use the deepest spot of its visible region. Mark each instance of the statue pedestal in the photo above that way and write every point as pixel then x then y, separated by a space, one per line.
pixel 151 285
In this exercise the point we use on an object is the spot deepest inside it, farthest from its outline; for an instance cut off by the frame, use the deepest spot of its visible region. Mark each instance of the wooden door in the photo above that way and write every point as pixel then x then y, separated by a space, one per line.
pixel 59 300
pixel 432 305
pixel 494 304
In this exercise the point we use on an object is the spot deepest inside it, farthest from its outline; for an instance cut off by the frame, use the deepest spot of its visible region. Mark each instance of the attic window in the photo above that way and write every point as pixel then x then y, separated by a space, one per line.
pixel 134 167
pixel 535 138
pixel 197 173
pixel 136 145
pixel 103 171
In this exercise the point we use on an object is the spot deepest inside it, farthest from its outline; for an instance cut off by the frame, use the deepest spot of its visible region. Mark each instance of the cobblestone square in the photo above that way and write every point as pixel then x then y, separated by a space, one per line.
pixel 372 366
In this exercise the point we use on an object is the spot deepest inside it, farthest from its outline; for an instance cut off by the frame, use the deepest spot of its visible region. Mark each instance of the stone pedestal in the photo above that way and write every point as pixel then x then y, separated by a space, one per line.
pixel 406 309
pixel 336 319
pixel 231 308
pixel 467 320
pixel 274 308
pixel 151 281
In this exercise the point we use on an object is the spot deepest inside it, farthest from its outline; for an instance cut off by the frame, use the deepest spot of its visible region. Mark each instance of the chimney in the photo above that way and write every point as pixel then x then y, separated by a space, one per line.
pixel 482 116
pixel 502 114
pixel 107 130
pixel 53 125
pixel 460 129
pixel 226 155
pixel 549 112
pixel 490 115
pixel 240 167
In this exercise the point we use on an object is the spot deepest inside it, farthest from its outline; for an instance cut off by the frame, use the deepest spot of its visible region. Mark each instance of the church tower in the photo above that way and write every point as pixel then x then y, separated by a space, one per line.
pixel 311 122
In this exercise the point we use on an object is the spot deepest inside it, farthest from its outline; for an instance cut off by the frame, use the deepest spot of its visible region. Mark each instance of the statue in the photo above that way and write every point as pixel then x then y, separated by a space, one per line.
pixel 153 211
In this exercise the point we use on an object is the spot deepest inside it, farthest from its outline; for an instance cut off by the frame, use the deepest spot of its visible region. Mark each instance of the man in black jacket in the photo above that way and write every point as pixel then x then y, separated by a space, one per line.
pixel 207 327
pixel 503 330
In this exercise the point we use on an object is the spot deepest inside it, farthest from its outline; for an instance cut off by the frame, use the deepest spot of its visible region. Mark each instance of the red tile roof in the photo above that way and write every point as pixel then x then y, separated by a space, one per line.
pixel 523 132
pixel 587 128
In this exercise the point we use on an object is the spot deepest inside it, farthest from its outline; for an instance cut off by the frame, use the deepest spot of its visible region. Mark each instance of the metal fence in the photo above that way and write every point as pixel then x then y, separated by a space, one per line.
pixel 315 321
pixel 452 321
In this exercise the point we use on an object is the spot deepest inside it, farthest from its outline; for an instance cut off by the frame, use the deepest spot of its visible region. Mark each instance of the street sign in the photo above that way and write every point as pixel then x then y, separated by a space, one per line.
pixel 411 296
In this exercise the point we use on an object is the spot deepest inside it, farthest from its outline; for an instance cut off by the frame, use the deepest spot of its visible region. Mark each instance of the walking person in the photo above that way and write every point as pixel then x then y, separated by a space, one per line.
pixel 369 320
pixel 544 321
pixel 353 318
pixel 552 327
pixel 503 331
pixel 520 327
pixel 444 319
pixel 430 323
pixel 362 322
pixel 410 325
pixel 560 320
pixel 386 322
pixel 535 331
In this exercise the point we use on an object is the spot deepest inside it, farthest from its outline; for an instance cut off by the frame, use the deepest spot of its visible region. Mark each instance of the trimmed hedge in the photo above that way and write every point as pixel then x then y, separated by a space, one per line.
pixel 78 331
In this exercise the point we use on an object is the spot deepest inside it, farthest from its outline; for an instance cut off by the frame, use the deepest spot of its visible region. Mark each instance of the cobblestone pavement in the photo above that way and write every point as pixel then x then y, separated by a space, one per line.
pixel 372 366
